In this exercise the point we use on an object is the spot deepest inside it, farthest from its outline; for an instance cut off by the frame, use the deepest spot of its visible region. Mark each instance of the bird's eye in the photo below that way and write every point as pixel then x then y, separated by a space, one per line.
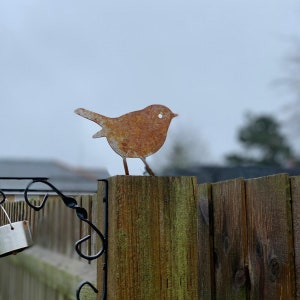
pixel 160 115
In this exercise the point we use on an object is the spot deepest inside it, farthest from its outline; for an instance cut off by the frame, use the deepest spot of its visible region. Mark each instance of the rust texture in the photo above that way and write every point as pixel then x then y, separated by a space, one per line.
pixel 136 134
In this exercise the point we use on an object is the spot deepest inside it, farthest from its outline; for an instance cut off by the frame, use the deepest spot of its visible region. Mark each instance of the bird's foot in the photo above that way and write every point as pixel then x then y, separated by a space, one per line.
pixel 150 172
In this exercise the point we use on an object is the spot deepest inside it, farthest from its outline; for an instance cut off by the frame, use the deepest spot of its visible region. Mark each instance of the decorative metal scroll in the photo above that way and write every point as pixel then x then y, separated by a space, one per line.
pixel 82 285
pixel 81 214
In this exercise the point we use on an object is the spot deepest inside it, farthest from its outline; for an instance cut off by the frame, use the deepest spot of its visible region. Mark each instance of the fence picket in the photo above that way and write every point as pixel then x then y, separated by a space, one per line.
pixel 205 242
pixel 229 224
pixel 295 193
pixel 270 242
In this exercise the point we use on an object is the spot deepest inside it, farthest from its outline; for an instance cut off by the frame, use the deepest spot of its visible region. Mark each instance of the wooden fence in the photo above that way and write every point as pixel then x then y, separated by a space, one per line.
pixel 168 238
pixel 51 269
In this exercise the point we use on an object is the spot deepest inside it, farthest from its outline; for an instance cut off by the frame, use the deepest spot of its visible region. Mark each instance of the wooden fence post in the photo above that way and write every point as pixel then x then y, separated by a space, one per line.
pixel 152 238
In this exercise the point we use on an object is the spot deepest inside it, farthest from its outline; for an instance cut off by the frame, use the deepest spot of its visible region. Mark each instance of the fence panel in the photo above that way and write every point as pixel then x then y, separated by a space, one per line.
pixel 270 240
pixel 230 244
pixel 295 193
pixel 205 242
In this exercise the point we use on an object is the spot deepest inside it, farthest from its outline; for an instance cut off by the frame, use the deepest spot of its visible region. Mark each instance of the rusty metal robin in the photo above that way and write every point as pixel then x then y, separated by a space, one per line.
pixel 136 134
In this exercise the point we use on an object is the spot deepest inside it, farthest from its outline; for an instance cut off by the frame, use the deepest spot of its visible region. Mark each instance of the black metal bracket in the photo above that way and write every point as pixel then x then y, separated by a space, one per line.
pixel 105 246
pixel 81 214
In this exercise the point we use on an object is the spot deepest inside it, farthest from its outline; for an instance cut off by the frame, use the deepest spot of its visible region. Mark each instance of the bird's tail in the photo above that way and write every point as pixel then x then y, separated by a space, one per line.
pixel 97 118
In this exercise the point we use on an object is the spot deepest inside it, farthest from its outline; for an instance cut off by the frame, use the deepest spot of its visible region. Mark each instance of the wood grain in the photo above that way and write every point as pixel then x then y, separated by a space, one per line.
pixel 152 238
pixel 270 242
pixel 295 192
pixel 230 243
pixel 205 242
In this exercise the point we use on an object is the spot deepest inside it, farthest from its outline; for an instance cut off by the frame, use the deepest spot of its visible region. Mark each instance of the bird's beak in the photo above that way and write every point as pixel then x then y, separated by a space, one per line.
pixel 174 115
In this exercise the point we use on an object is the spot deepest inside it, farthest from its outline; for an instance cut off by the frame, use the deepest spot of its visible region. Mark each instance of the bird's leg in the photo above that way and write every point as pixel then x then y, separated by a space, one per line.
pixel 125 166
pixel 147 166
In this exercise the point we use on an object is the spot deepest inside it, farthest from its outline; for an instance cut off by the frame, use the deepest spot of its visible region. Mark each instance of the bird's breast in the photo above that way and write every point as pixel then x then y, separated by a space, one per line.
pixel 135 142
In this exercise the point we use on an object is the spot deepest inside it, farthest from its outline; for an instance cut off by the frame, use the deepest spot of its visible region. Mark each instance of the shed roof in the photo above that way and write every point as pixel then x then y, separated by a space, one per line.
pixel 66 178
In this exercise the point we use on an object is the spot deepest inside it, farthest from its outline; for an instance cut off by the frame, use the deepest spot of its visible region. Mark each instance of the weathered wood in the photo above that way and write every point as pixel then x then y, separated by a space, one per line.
pixel 230 243
pixel 270 242
pixel 85 229
pixel 205 242
pixel 156 248
pixel 152 238
pixel 98 218
pixel 295 193
pixel 42 274
pixel 46 273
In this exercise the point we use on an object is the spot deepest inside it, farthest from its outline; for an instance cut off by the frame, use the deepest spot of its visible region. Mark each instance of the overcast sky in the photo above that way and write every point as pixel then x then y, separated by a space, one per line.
pixel 208 61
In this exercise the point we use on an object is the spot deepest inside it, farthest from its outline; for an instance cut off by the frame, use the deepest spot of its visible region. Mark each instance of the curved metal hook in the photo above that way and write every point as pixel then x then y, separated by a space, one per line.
pixel 79 242
pixel 81 286
pixel 80 211
pixel 69 201
pixel 3 197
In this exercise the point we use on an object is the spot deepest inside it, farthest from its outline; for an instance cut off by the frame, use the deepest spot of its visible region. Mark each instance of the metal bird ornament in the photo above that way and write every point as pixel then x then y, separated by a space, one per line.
pixel 137 134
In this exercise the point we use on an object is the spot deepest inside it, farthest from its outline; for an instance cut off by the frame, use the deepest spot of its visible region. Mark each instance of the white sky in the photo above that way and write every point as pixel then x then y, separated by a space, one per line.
pixel 208 61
